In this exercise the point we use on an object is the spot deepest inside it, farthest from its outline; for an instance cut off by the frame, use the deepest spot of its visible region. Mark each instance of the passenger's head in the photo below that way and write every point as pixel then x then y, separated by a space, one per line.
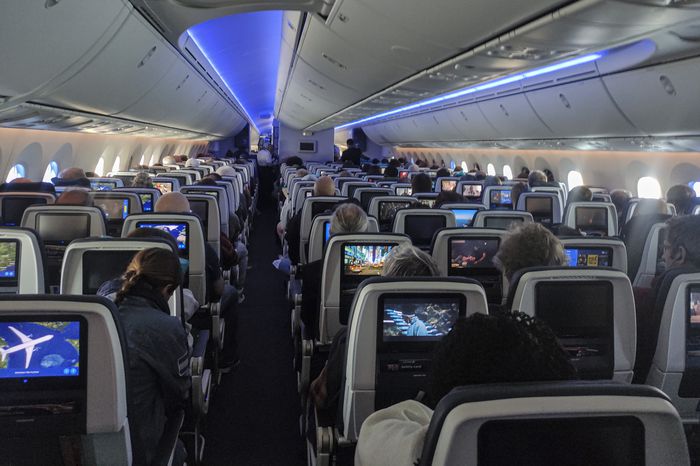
pixel 536 178
pixel 682 197
pixel 550 175
pixel 492 181
pixel 154 233
pixel 651 207
pixel 528 245
pixel 396 163
pixel 348 217
pixel 155 269
pixel 169 160
pixel 206 181
pixel 194 163
pixel 324 186
pixel 343 174
pixel 142 180
pixel 421 183
pixel 505 348
pixel 22 180
pixel 524 173
pixel 391 172
pixel 226 171
pixel 442 173
pixel 214 176
pixel 579 194
pixel 75 197
pixel 516 190
pixel 681 247
pixel 373 170
pixel 409 261
pixel 71 174
pixel 294 161
pixel 621 198
pixel 350 143
pixel 174 202
pixel 447 197
pixel 301 173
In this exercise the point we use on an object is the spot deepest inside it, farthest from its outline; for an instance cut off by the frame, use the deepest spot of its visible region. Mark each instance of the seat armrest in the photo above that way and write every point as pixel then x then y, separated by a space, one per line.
pixel 168 441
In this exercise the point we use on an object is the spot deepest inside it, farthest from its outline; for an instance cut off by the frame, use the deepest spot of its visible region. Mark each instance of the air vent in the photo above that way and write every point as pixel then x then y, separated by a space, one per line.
pixel 334 61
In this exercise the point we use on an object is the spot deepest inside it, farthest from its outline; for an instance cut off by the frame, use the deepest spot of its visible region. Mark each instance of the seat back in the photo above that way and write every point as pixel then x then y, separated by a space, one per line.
pixel 206 208
pixel 126 177
pixel 559 191
pixel 13 205
pixel 166 184
pixel 116 205
pixel 675 367
pixel 195 174
pixel 232 197
pixel 61 224
pixel 297 184
pixel 402 189
pixel 546 208
pixel 321 233
pixel 311 207
pixel 634 203
pixel 349 188
pixel 555 423
pixel 348 260
pixel 21 262
pixel 500 219
pixel 187 231
pixel 384 209
pixel 397 322
pixel 86 352
pixel 426 199
pixel 301 196
pixel 592 251
pixel 590 310
pixel 422 224
pixel 184 179
pixel 105 184
pixel 652 256
pixel 148 197
pixel 497 198
pixel 446 183
pixel 469 252
pixel 592 218
pixel 464 212
pixel 471 190
pixel 365 195
pixel 219 193
pixel 601 197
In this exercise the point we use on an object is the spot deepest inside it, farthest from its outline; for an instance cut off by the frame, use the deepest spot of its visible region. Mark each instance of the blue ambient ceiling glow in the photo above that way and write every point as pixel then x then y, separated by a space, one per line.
pixel 244 50
pixel 480 87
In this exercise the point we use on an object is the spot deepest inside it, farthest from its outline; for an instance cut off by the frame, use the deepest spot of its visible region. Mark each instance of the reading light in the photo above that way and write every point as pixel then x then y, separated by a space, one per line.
pixel 480 87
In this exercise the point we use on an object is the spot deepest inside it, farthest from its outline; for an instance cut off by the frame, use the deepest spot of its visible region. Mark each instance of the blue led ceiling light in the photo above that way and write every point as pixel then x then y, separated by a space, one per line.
pixel 244 50
pixel 480 87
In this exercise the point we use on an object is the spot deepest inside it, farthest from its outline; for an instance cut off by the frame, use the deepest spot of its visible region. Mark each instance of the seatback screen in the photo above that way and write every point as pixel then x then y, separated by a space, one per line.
pixel 411 318
pixel 61 229
pixel 448 185
pixel 388 209
pixel 472 191
pixel 163 186
pixel 581 315
pixel 326 232
pixel 403 190
pixel 364 260
pixel 179 231
pixel 421 228
pixel 367 196
pixel 200 208
pixel 146 202
pixel 540 208
pixel 464 217
pixel 471 253
pixel 500 199
pixel 693 329
pixel 114 208
pixel 612 441
pixel 501 223
pixel 13 208
pixel 103 185
pixel 592 219
pixel 354 187
pixel 320 207
pixel 589 257
pixel 9 262
pixel 403 175
pixel 102 266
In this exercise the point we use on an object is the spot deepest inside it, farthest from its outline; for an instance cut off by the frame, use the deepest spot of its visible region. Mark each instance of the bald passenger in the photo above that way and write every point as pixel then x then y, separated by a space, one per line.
pixel 73 176
pixel 324 186
pixel 174 202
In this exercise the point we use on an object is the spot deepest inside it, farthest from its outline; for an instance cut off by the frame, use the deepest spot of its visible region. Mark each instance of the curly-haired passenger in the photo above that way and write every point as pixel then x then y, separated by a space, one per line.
pixel 528 245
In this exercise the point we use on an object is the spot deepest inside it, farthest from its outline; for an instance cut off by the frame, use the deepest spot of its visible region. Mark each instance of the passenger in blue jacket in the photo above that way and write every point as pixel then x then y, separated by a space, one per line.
pixel 159 371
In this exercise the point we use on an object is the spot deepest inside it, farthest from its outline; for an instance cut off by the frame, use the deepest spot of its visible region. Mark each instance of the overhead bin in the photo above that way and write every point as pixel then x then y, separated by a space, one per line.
pixel 435 126
pixel 41 42
pixel 581 109
pixel 471 123
pixel 663 101
pixel 514 118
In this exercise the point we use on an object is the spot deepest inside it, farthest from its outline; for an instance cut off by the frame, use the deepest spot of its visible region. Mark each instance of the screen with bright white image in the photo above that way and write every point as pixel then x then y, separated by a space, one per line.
pixel 419 318
pixel 114 209
pixel 404 190
pixel 472 190
pixel 448 185
pixel 589 257
pixel 39 349
pixel 464 217
pixel 472 253
pixel 178 231
pixel 163 186
pixel 364 259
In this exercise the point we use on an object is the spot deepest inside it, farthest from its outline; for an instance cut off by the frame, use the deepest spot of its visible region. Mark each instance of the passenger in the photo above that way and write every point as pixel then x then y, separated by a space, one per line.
pixel 394 163
pixel 621 199
pixel 391 172
pixel 480 176
pixel 682 197
pixel 528 245
pixel 472 353
pixel 443 172
pixel 421 183
pixel 73 176
pixel 550 175
pixel 447 197
pixel 536 178
pixel 324 186
pixel 492 181
pixel 352 154
pixel 579 194
pixel 373 170
pixel 245 200
pixel 169 160
pixel 634 233
pixel 516 190
pixel 524 173
pixel 192 163
pixel 75 197
pixel 142 180
pixel 21 185
pixel 159 366
pixel 294 161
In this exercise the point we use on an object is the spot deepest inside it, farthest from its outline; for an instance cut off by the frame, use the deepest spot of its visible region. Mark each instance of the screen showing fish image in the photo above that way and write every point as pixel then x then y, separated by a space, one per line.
pixel 464 217
pixel 103 185
pixel 146 202
pixel 581 316
pixel 61 229
pixel 589 257
pixel 387 210
pixel 592 219
pixel 9 257
pixel 471 253
pixel 102 266
pixel 540 208
pixel 421 228
pixel 163 186
pixel 179 231
pixel 13 208
pixel 39 348
pixel 418 318
pixel 501 223
pixel 472 191
pixel 692 339
pixel 500 199
pixel 448 185
pixel 114 209
pixel 364 260
pixel 404 190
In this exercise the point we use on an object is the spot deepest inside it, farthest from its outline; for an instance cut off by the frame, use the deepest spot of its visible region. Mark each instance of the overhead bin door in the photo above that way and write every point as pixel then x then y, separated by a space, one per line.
pixel 471 124
pixel 513 117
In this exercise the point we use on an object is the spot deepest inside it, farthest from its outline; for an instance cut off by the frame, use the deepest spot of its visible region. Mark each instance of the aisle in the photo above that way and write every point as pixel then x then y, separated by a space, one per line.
pixel 253 419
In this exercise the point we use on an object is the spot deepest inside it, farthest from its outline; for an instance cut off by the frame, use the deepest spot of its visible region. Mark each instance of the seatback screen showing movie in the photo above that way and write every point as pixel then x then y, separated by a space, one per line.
pixel 13 208
pixel 589 257
pixel 581 315
pixel 427 201
pixel 9 262
pixel 612 441
pixel 326 232
pixel 103 185
pixel 692 339
pixel 179 231
pixel 60 229
pixel 409 318
pixel 448 185
pixel 464 217
pixel 502 223
pixel 40 346
pixel 500 199
pixel 592 220
pixel 388 209
pixel 102 266
pixel 146 202
pixel 114 208
pixel 421 228
pixel 404 190
pixel 540 208
pixel 364 260
pixel 471 253
pixel 163 186
pixel 472 191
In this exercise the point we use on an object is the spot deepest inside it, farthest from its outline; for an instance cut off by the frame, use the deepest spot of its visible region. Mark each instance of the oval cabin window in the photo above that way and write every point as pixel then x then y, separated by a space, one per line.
pixel 507 172
pixel 574 179
pixel 100 167
pixel 117 164
pixel 51 172
pixel 649 188
pixel 490 170
pixel 17 171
